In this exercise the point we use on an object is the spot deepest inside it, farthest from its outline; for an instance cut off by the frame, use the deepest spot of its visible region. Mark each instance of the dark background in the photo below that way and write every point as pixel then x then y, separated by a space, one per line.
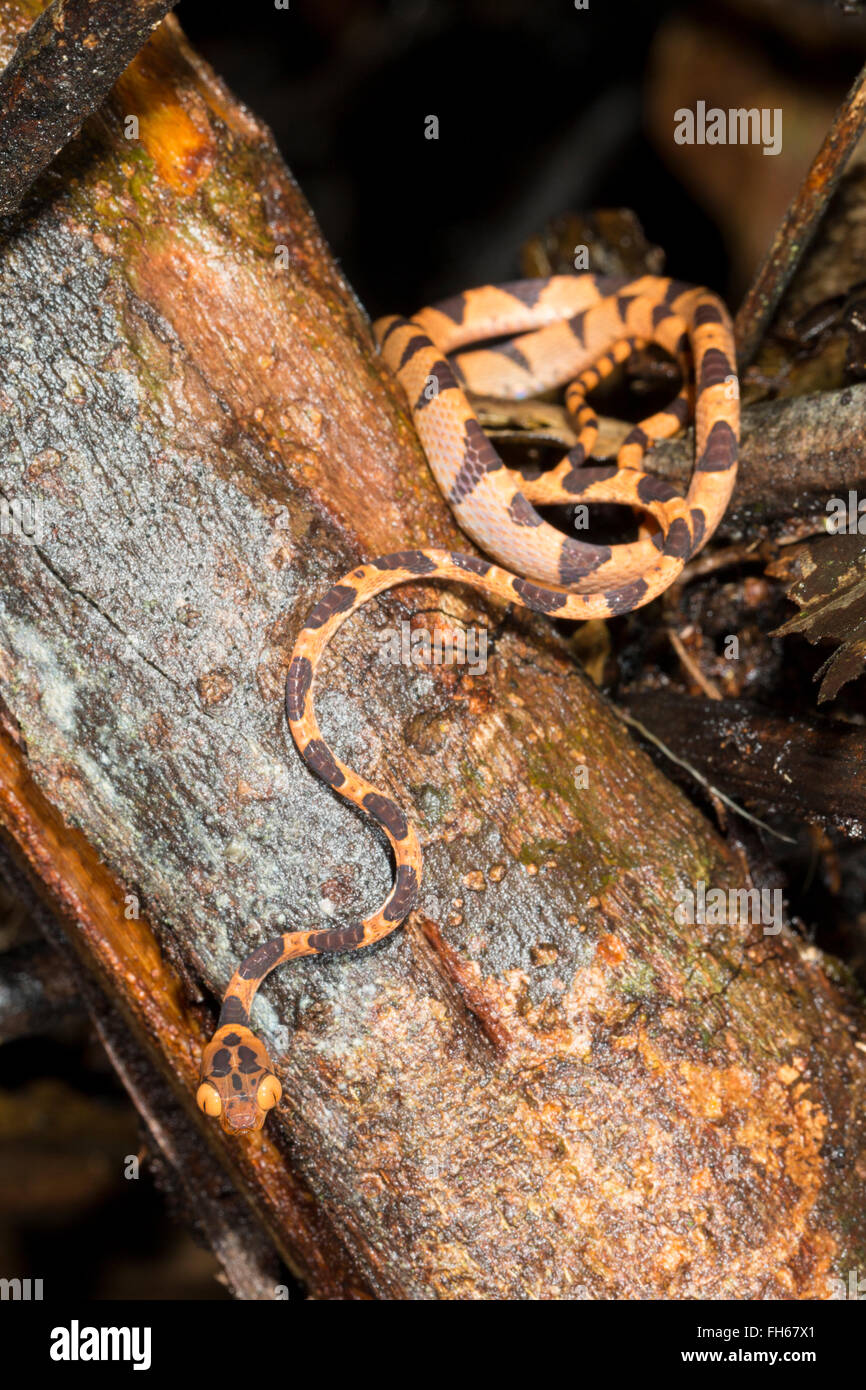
pixel 542 109
pixel 539 108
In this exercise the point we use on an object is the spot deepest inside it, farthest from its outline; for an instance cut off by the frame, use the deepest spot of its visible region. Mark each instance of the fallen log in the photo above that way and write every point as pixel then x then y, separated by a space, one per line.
pixel 544 1086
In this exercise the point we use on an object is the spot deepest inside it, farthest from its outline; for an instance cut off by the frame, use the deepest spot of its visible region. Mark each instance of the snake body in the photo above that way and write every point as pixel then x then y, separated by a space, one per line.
pixel 540 334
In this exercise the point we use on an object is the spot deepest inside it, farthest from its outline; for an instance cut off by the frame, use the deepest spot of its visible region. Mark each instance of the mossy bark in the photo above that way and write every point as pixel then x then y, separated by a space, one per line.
pixel 543 1086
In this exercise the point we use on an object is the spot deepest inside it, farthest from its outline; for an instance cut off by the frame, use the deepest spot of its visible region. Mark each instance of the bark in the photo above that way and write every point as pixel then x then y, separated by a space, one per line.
pixel 800 223
pixel 63 69
pixel 543 1086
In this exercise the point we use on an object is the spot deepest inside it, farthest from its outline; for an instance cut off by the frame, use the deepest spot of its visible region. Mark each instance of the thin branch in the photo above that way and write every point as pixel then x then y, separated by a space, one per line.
pixel 62 70
pixel 800 222
pixel 692 667
pixel 794 454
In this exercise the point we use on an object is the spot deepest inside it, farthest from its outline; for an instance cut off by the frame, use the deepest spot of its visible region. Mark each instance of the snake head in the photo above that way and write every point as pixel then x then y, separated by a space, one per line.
pixel 237 1080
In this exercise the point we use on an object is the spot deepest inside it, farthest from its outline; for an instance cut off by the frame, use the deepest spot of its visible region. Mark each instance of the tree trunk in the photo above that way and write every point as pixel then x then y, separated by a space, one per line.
pixel 543 1086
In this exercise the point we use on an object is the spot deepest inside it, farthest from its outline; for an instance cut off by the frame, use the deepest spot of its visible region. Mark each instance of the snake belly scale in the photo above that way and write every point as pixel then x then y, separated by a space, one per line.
pixel 535 335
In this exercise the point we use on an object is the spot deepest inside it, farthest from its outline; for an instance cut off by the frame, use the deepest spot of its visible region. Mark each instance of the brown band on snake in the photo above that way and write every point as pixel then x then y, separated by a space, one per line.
pixel 567 329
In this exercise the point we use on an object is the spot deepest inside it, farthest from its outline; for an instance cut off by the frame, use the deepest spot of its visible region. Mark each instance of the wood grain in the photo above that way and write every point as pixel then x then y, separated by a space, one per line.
pixel 544 1087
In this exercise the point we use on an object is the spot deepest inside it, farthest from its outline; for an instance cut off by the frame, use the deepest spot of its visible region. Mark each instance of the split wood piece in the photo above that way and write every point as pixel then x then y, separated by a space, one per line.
pixel 543 1069
pixel 62 70
pixel 800 222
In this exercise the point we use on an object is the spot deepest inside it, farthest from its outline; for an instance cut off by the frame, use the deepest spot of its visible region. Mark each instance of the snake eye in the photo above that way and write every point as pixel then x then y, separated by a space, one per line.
pixel 269 1092
pixel 207 1099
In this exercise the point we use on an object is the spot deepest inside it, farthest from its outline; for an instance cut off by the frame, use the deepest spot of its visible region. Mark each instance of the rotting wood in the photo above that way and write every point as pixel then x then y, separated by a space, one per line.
pixel 543 1086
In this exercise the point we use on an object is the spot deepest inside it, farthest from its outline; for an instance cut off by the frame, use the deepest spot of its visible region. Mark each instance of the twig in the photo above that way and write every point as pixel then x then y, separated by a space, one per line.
pixel 759 552
pixel 62 70
pixel 754 551
pixel 692 667
pixel 800 222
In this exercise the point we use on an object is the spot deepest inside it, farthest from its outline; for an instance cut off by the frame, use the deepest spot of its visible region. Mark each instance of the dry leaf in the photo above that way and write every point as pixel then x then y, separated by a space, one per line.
pixel 830 590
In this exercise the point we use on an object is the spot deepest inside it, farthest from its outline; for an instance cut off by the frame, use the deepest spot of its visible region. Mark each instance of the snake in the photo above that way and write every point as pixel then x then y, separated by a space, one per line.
pixel 511 341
